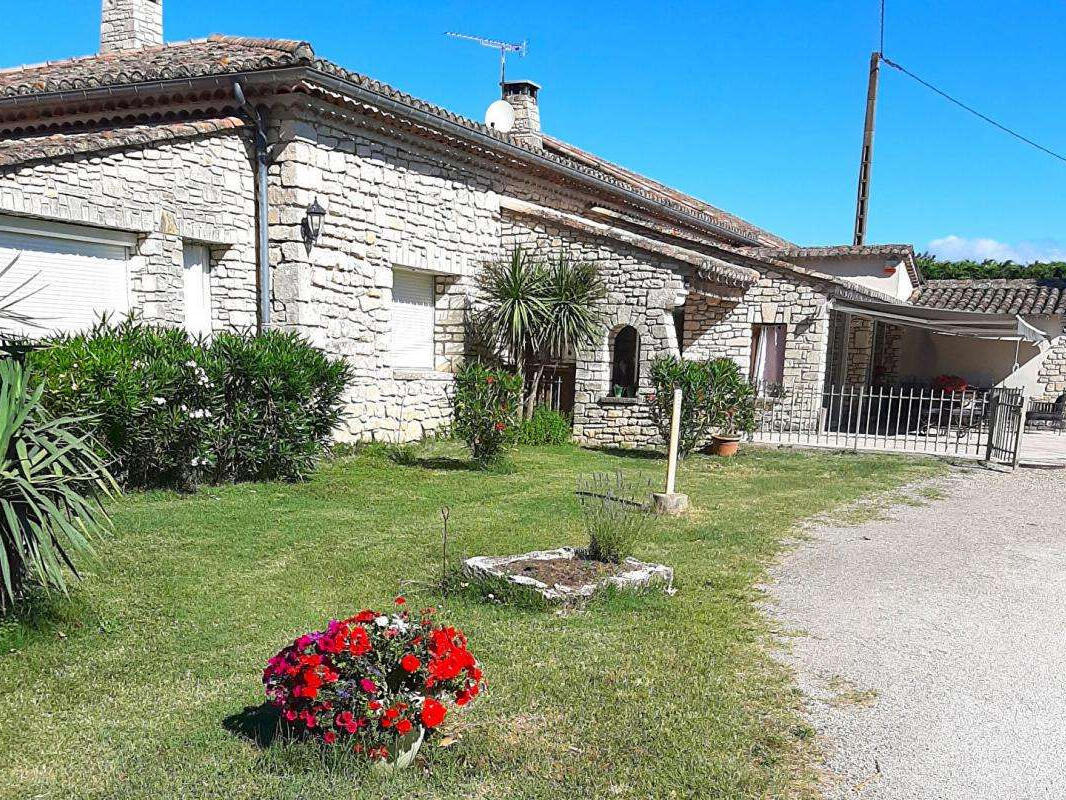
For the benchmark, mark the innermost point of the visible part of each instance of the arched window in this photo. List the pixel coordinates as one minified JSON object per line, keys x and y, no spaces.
{"x":625,"y":362}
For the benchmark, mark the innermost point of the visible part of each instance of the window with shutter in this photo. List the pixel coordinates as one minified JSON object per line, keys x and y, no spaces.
{"x":67,"y":283}
{"x":197,"y":285}
{"x":413,"y":319}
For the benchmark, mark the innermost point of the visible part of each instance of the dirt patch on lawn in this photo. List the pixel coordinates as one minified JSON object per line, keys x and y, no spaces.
{"x":562,"y":571}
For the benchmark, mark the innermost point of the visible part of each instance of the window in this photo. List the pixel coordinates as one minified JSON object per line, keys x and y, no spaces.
{"x":413,"y":296}
{"x":625,"y":361}
{"x":768,"y":354}
{"x":69,"y":275}
{"x":679,"y":328}
{"x":197,"y":285}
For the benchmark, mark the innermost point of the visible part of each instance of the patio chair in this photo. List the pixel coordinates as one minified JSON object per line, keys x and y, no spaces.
{"x":1050,"y":413}
{"x":962,"y":417}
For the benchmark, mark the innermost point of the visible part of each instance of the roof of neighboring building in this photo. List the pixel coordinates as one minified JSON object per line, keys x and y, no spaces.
{"x":231,"y":55}
{"x":995,"y":296}
{"x":45,"y":148}
{"x":902,"y":251}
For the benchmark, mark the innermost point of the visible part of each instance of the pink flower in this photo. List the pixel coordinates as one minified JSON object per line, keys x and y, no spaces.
{"x":368,"y":685}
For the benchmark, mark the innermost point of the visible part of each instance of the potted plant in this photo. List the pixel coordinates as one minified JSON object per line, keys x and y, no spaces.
{"x":374,"y":684}
{"x":732,"y":406}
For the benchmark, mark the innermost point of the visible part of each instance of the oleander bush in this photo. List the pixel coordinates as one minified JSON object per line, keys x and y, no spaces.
{"x":545,"y":427}
{"x":487,"y":406}
{"x":174,"y":412}
{"x":693,"y":378}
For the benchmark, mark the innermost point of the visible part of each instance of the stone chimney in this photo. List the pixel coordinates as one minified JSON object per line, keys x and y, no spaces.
{"x":131,"y":25}
{"x":522,"y":95}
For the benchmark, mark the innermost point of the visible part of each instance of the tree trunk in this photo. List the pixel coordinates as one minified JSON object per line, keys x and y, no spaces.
{"x":531,"y":399}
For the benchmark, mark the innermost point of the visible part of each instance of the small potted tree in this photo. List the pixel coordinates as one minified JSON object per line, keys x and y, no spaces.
{"x":732,"y":406}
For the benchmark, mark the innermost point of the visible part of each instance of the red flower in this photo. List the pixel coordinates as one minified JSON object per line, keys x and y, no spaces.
{"x":364,"y":616}
{"x":358,"y":642}
{"x":490,"y":379}
{"x":400,"y":600}
{"x":500,"y":426}
{"x":329,"y":737}
{"x":410,"y":663}
{"x":403,"y":726}
{"x":433,"y":713}
{"x":346,"y":721}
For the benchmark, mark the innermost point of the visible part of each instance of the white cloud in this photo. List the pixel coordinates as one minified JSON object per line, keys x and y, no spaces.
{"x":959,"y":248}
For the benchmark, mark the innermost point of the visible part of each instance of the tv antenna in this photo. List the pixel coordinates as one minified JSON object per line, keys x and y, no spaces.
{"x":504,"y":47}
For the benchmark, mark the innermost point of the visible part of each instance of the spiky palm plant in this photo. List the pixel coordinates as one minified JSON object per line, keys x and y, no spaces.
{"x":536,"y":312}
{"x":52,"y":481}
{"x":516,"y":312}
{"x":574,"y":294}
{"x":12,"y":295}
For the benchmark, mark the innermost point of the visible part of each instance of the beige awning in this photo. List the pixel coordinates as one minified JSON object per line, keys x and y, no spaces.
{"x":944,"y":321}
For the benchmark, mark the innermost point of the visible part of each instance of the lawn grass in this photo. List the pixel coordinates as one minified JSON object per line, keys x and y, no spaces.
{"x":124,"y":692}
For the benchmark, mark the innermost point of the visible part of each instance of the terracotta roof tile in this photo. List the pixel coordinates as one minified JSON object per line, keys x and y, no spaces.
{"x":1000,"y":296}
{"x":46,"y":148}
{"x":215,"y":55}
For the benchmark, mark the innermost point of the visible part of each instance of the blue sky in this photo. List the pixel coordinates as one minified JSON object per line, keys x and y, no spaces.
{"x":753,"y":105}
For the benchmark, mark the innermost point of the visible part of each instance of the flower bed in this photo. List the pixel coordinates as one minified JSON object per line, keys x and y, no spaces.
{"x":373,"y":682}
{"x":564,"y":576}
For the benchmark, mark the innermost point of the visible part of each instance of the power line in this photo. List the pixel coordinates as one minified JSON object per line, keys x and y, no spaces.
{"x":972,"y":110}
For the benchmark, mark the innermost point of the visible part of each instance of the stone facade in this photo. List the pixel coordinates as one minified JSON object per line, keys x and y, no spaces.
{"x":721,"y":327}
{"x":1052,"y":381}
{"x":642,"y":291}
{"x":396,"y":199}
{"x":199,"y":190}
{"x":130,"y":24}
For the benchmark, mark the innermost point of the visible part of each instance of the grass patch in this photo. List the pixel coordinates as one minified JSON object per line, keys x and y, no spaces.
{"x":629,"y":697}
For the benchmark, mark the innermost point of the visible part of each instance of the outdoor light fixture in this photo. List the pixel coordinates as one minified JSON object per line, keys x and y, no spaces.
{"x":313,"y":221}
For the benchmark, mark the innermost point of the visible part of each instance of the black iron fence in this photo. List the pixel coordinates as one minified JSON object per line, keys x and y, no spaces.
{"x":976,"y":423}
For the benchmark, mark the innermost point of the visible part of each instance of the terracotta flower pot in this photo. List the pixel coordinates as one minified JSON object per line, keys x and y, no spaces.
{"x":725,"y":446}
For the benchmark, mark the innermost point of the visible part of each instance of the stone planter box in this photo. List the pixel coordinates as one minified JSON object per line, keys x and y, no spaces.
{"x":630,"y":574}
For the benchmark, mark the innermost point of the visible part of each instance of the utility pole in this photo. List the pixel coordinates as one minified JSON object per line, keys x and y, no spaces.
{"x":862,"y":202}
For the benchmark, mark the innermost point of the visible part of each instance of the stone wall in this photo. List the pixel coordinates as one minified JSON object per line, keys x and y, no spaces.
{"x":642,"y":290}
{"x":1052,"y":380}
{"x":200,"y":189}
{"x":860,"y":351}
{"x":721,"y":327}
{"x":390,"y":202}
{"x":394,"y":200}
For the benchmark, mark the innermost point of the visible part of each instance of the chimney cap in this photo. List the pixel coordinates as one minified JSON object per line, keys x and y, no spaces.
{"x":521,"y":87}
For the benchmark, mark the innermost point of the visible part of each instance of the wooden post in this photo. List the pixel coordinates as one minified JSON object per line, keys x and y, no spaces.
{"x":675,"y":430}
{"x":669,"y":502}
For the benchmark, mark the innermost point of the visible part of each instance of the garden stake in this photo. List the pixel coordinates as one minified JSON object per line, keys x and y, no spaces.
{"x":445,"y":512}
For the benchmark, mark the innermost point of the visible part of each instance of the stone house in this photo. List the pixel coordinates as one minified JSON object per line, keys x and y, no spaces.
{"x":175,"y":180}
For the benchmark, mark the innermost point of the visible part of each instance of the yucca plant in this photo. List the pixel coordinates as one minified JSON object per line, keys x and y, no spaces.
{"x":535,"y":313}
{"x":52,"y":482}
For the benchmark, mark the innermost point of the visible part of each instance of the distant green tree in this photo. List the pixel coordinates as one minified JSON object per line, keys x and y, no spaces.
{"x":935,"y":269}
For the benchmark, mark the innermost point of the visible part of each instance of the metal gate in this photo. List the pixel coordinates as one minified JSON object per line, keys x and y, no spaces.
{"x":1006,"y":423}
{"x":982,"y":425}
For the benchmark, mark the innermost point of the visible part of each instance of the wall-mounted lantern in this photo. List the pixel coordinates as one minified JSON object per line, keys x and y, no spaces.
{"x":313,"y":221}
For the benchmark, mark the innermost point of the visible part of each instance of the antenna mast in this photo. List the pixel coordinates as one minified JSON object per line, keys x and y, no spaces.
{"x":504,"y":47}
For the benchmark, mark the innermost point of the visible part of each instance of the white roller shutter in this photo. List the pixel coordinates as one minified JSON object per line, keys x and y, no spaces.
{"x":197,"y":289}
{"x":412,"y":319}
{"x":72,"y":281}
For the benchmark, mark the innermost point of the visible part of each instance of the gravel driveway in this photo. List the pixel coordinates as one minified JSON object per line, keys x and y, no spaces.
{"x":934,"y":651}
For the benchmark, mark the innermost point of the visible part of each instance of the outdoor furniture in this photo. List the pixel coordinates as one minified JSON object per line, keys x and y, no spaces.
{"x":1049,"y":413}
{"x":961,"y":415}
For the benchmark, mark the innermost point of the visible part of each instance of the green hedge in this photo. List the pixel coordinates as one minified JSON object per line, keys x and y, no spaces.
{"x":176,"y":413}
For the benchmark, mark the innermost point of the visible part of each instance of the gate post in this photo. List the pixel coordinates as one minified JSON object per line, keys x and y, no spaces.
{"x":1022,"y":409}
{"x":993,"y":414}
